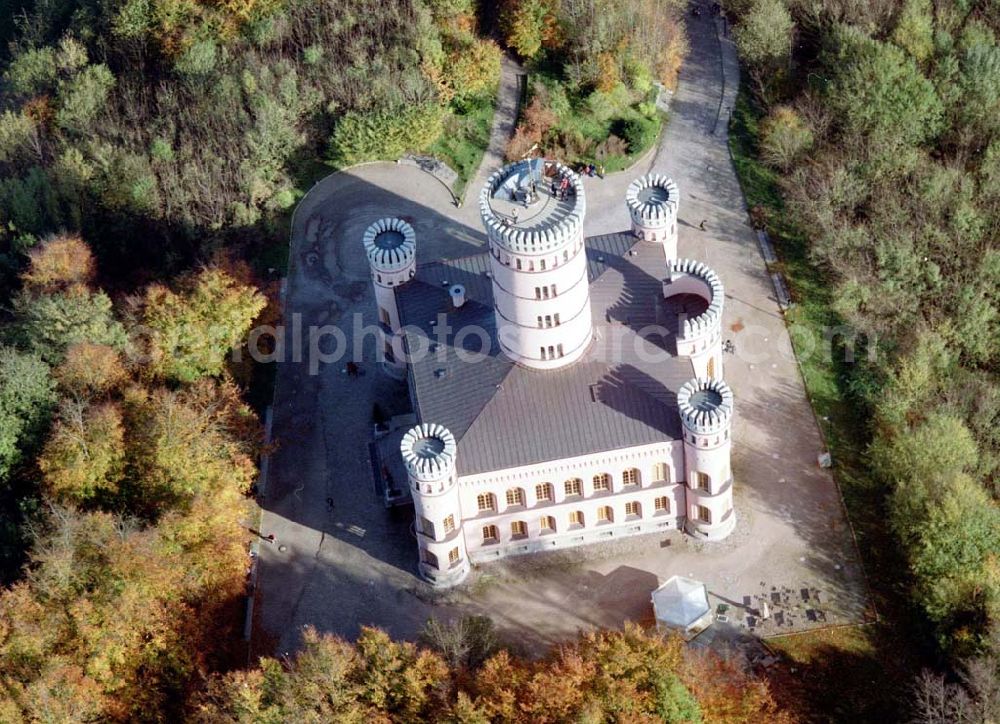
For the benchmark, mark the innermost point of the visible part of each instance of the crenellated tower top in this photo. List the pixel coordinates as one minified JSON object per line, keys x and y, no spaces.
{"x":689,"y":276}
{"x":652,"y":202}
{"x":391,"y":245}
{"x":705,"y":405}
{"x":543,"y":223}
{"x":429,"y":452}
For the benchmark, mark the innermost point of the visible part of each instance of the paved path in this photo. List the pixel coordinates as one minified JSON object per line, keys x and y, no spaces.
{"x":347,"y":562}
{"x":505,"y":116}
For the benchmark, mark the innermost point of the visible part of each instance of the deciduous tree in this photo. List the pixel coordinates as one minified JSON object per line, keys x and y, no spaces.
{"x":192,"y":329}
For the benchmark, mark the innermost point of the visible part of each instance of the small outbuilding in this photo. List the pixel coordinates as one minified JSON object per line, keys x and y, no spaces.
{"x":681,"y":604}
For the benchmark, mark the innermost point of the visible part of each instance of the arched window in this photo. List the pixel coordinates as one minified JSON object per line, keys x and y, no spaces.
{"x":605,"y":514}
{"x":661,"y":505}
{"x":518,"y":529}
{"x":573,"y":486}
{"x":633,"y":509}
{"x":515,"y":496}
{"x":702,"y":481}
{"x":547,"y":524}
{"x":490,"y":534}
{"x":631,"y":476}
{"x":602,"y":482}
{"x":543,"y":492}
{"x":486,"y":502}
{"x":576,"y":518}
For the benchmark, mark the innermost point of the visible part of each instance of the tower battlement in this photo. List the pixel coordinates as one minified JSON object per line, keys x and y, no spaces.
{"x":652,"y":202}
{"x":428,"y":452}
{"x":390,"y":245}
{"x":705,"y":405}
{"x":544,"y":225}
{"x":687,"y":276}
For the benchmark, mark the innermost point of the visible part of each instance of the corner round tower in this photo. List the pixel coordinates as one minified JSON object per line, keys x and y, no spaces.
{"x":429,"y":452}
{"x":706,"y":410}
{"x":652,"y":202}
{"x":391,"y":247}
{"x":698,"y":297}
{"x":533,"y":215}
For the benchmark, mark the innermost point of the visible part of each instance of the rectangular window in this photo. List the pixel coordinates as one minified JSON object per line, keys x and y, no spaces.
{"x":390,"y":356}
{"x":557,"y":319}
{"x":573,"y":487}
{"x":632,"y":508}
{"x":430,"y":559}
{"x":542,"y":262}
{"x":703,"y":481}
{"x":661,"y":505}
{"x":453,"y":556}
{"x":518,"y":264}
{"x":543,"y":352}
{"x":518,"y":529}
{"x":553,"y":290}
{"x":490,"y":534}
{"x":543,"y":492}
{"x":531,"y":266}
{"x":383,"y":316}
{"x":559,"y":349}
{"x":449,"y":524}
{"x":548,"y":320}
{"x":538,"y":292}
{"x":545,"y":292}
{"x":426,"y":527}
{"x":661,"y":472}
{"x":552,"y":352}
{"x":539,"y":321}
{"x":704,"y":514}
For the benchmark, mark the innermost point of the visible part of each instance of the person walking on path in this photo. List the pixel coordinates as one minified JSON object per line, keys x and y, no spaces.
{"x":702,"y":224}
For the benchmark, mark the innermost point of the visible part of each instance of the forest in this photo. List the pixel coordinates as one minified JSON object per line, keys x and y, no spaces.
{"x":868,"y":142}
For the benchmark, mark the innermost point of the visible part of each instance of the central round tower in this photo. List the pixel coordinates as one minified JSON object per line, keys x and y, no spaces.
{"x":533,"y":214}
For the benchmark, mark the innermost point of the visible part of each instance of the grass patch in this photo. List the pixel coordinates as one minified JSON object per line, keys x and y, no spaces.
{"x":464,"y":141}
{"x":858,"y":673}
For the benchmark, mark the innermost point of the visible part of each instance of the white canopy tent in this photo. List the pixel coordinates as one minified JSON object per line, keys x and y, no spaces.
{"x":682,"y":604}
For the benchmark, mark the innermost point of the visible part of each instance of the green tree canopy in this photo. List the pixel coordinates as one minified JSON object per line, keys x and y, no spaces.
{"x":192,"y":329}
{"x":879,"y":92}
{"x":50,"y":323}
{"x":27,"y":394}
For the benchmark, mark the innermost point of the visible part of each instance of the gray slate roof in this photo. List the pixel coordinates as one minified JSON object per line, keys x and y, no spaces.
{"x":506,"y":416}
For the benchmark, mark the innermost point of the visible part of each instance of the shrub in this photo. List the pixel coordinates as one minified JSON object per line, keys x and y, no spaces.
{"x":640,"y":133}
{"x":385,"y":134}
{"x":784,"y":137}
